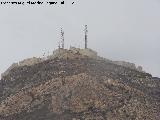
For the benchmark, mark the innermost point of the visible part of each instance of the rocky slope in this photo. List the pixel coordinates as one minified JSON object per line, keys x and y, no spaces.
{"x":78,"y":88}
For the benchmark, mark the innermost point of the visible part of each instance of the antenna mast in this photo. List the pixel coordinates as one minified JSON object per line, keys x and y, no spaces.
{"x":59,"y":45}
{"x":62,"y":38}
{"x":86,"y":36}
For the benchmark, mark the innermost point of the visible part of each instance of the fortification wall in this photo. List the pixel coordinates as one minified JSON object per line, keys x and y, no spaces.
{"x":10,"y":68}
{"x":85,"y":52}
{"x":28,"y":62}
{"x":125,"y":64}
{"x":70,"y":54}
{"x":129,"y":65}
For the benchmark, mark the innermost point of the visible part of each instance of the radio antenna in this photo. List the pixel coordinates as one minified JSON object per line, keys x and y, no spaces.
{"x":62,"y":38}
{"x":86,"y":36}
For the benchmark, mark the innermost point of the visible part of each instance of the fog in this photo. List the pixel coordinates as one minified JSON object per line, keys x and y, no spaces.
{"x":118,"y":30}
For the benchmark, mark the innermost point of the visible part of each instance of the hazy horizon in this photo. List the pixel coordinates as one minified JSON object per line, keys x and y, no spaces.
{"x":118,"y":30}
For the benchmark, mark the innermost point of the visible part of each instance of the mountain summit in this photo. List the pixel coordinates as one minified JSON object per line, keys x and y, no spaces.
{"x":77,"y":84}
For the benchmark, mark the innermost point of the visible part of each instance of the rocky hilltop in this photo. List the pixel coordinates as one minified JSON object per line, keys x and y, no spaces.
{"x":77,"y":84}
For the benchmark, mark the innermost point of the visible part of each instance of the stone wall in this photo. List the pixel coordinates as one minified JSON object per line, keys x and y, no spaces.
{"x":30,"y":61}
{"x":86,"y":52}
{"x":8,"y":70}
{"x":125,"y":64}
{"x":73,"y":53}
{"x":70,"y":54}
{"x":129,"y":65}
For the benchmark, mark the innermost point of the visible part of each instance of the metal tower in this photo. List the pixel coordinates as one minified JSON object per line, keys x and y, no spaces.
{"x":86,"y":36}
{"x":59,"y":46}
{"x":62,"y":38}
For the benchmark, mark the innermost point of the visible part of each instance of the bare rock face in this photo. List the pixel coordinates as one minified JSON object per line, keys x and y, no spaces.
{"x":78,"y":88}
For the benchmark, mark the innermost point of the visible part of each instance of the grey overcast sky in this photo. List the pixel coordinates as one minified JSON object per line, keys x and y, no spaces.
{"x":118,"y":29}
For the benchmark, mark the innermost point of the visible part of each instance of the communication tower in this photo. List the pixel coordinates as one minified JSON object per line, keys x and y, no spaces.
{"x":62,"y":38}
{"x":86,"y":36}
